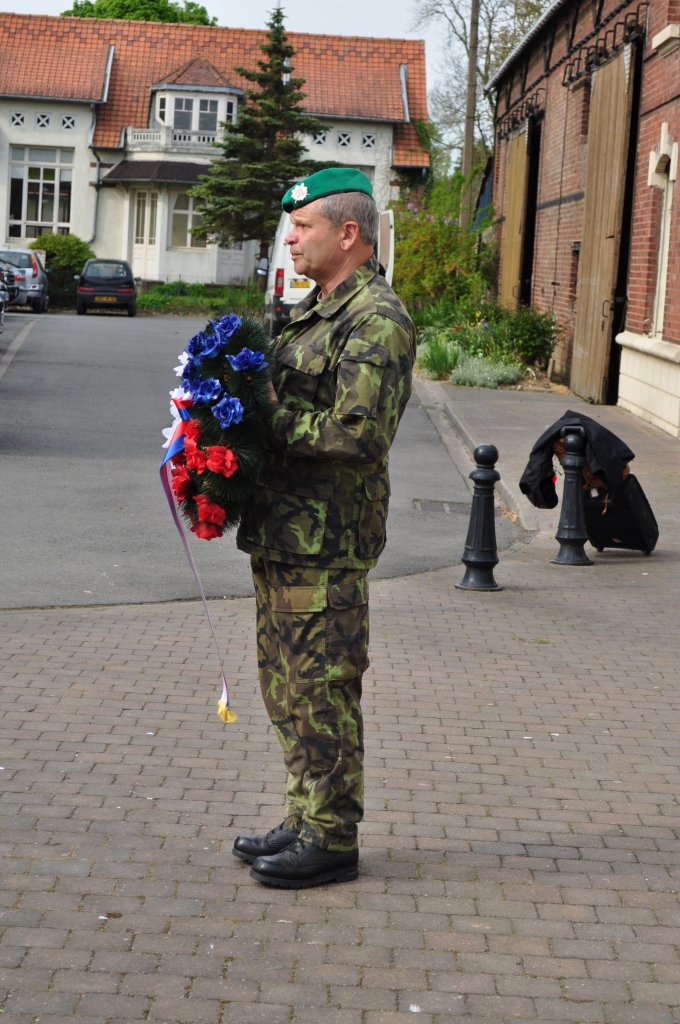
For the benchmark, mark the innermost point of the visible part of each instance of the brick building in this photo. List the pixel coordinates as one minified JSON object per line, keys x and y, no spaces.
{"x":588,"y":111}
{"x":105,"y":126}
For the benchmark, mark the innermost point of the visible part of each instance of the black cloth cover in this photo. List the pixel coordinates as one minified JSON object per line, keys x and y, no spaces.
{"x":606,"y":457}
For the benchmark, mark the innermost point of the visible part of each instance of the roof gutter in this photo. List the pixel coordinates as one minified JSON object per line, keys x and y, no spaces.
{"x":107,"y":74}
{"x":534,"y":31}
{"x":403,"y":78}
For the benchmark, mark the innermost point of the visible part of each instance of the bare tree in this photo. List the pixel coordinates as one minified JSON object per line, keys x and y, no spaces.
{"x":502,"y":23}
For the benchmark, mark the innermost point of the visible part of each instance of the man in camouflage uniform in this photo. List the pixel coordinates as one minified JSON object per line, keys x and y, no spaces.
{"x":317,"y":523}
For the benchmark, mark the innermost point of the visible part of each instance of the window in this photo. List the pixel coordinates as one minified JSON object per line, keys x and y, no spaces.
{"x":68,"y":122}
{"x":40,"y":191}
{"x":43,"y":120}
{"x":184,"y":220}
{"x":184,"y":110}
{"x":344,"y":138}
{"x":146,"y":210}
{"x":368,"y":140}
{"x":161,"y":109}
{"x":207,"y":116}
{"x":319,"y":139}
{"x":17,"y":119}
{"x":231,"y":111}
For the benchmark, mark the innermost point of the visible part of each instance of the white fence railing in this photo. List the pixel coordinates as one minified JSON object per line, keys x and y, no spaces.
{"x":165,"y":137}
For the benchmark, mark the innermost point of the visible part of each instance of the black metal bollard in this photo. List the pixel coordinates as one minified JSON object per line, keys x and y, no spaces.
{"x":480,"y":554}
{"x":571,"y":533}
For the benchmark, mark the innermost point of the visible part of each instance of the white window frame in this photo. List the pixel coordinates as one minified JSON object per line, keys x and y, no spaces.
{"x":43,"y":121}
{"x":193,"y":218}
{"x":17,"y":119}
{"x":30,"y":170}
{"x":663,"y":167}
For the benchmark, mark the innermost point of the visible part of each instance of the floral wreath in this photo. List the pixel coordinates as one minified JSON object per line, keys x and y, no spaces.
{"x":225,"y":389}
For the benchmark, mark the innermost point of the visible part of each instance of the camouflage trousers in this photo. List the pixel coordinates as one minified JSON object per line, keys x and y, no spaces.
{"x":312,"y":641}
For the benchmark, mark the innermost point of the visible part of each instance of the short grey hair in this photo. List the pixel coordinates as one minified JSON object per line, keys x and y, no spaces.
{"x":356,"y":206}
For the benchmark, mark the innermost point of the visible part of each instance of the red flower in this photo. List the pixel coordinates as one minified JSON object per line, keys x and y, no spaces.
{"x":206,"y":531}
{"x":196,"y":458}
{"x":208,"y":511}
{"x":181,"y":482}
{"x":221,"y":460}
{"x":192,"y":429}
{"x":179,"y":459}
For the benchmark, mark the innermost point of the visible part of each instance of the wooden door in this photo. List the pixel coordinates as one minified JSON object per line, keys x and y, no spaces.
{"x":513,"y":230}
{"x":605,"y":179}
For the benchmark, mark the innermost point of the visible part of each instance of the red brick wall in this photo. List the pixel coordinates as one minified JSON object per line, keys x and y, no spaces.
{"x":562,"y":166}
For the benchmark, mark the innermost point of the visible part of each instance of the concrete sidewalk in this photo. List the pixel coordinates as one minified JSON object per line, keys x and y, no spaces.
{"x":520,"y":854}
{"x":514,"y":420}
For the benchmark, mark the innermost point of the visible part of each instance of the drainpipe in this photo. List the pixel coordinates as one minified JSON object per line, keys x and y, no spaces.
{"x":90,"y":142}
{"x":98,"y":182}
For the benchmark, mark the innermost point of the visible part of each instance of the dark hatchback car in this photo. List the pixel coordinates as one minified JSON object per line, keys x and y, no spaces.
{"x":106,"y":283}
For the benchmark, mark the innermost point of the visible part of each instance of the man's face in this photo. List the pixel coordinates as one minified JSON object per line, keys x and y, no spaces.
{"x":316,"y":247}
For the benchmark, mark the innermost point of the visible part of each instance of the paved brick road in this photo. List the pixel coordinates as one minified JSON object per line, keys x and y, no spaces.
{"x":521,"y":854}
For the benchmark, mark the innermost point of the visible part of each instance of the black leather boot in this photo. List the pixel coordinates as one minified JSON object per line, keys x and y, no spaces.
{"x":276,"y":840}
{"x":302,"y":865}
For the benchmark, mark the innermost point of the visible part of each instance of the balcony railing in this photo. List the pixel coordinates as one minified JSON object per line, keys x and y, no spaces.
{"x":164,"y":137}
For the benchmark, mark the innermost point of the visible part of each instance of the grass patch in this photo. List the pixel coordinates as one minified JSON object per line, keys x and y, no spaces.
{"x":180,"y":298}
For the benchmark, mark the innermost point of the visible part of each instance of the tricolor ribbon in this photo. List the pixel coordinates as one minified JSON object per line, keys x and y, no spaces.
{"x":175,"y":445}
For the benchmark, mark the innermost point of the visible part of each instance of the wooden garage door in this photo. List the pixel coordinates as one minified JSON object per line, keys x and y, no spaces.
{"x":606,"y":156}
{"x":513,"y":232}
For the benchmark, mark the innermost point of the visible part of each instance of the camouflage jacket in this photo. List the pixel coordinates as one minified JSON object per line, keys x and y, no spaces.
{"x":343,"y":378}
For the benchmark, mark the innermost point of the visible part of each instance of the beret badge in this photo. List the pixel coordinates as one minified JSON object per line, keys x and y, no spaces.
{"x":299,"y":192}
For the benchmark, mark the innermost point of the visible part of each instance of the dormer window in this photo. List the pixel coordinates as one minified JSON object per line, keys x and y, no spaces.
{"x":207,"y":116}
{"x":184,"y":112}
{"x":231,"y":111}
{"x":162,"y":102}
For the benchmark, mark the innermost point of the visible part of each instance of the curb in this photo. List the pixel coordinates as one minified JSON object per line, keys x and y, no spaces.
{"x":9,"y":354}
{"x":515,"y":502}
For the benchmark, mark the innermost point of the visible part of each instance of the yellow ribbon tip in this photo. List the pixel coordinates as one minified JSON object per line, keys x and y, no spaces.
{"x":225,"y":713}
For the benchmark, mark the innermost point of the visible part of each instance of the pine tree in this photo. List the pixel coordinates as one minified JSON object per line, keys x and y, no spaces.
{"x":262,"y":154}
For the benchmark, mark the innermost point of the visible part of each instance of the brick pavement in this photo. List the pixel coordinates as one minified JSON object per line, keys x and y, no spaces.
{"x":520,"y":856}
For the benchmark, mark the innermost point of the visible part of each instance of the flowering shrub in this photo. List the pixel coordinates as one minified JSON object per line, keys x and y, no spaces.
{"x":434,"y":258}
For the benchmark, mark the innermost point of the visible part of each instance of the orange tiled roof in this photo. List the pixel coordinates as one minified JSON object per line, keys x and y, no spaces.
{"x":198,"y":71}
{"x":65,"y":58}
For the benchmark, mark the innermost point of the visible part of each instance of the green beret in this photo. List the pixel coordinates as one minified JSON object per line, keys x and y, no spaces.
{"x":325,"y":183}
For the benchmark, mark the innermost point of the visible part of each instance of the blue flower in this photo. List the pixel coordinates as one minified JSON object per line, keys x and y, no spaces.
{"x":191,"y":374}
{"x":227,"y":326}
{"x":247,"y":360}
{"x":212,"y":346}
{"x":195,"y":346}
{"x":228,"y":411}
{"x":206,"y":391}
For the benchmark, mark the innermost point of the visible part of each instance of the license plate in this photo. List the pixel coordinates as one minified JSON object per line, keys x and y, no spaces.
{"x":105,"y":298}
{"x":300,"y":284}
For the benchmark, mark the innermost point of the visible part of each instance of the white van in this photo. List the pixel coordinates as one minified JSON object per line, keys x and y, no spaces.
{"x":285,"y":288}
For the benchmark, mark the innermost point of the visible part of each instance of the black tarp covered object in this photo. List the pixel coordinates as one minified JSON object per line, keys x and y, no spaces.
{"x":606,"y":457}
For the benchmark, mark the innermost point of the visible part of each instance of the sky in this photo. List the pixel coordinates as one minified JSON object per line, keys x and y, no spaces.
{"x":351,"y":17}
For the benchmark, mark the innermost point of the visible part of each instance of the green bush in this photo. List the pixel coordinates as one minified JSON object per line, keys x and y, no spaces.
{"x":435,"y":260}
{"x":480,"y":372}
{"x":178,"y":297}
{"x":65,"y":255}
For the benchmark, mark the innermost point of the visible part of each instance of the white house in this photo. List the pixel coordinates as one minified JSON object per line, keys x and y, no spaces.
{"x":106,"y":125}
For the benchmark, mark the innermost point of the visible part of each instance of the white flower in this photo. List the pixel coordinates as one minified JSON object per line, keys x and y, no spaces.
{"x":167,"y":433}
{"x":183,"y":360}
{"x":299,"y":192}
{"x":177,"y":393}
